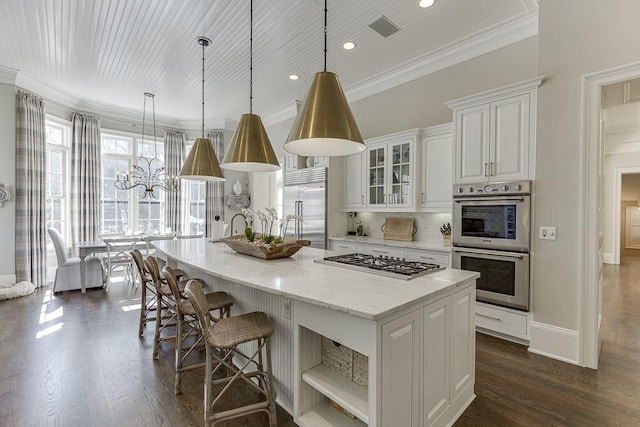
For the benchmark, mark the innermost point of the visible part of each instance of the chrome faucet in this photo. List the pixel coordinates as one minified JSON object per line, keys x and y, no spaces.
{"x":233,"y":230}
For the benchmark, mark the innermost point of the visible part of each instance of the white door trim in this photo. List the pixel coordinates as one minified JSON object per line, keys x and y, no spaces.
{"x":617,"y":211}
{"x":591,"y":160}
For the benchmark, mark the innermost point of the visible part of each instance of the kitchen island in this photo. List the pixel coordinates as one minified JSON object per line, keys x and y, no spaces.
{"x":416,"y":337}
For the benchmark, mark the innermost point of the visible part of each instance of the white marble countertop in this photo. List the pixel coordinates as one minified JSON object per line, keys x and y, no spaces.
{"x":394,"y":243}
{"x":362,"y":294}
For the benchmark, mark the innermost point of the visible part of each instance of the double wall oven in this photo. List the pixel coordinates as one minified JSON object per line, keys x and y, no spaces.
{"x":491,"y":235}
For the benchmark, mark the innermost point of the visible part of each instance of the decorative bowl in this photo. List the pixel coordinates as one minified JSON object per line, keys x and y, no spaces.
{"x":260,"y":249}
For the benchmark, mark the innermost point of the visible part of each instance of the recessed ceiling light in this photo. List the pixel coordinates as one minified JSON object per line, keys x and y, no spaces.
{"x":294,"y":77}
{"x":426,"y":3}
{"x":349,"y":45}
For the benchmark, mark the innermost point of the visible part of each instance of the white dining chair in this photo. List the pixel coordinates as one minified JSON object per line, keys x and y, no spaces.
{"x":119,"y":256}
{"x":68,"y":272}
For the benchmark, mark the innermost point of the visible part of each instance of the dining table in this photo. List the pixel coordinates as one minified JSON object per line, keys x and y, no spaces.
{"x":143,"y":242}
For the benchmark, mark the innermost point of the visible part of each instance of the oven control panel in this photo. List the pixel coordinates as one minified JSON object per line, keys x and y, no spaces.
{"x":492,"y":189}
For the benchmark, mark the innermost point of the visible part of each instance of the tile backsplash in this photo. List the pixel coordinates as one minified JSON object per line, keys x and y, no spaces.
{"x":428,"y":224}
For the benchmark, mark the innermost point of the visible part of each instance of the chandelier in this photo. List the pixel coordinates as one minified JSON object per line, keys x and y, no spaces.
{"x":148,"y":172}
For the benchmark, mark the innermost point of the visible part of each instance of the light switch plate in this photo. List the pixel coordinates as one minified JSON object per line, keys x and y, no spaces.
{"x":547,"y":233}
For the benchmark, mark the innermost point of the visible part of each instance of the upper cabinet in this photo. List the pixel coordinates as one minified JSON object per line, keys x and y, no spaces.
{"x":437,"y":168}
{"x":390,"y":171}
{"x":354,"y":198}
{"x":494,"y":134}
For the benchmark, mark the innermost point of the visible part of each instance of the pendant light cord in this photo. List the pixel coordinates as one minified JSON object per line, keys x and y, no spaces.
{"x":325,"y":35}
{"x":251,"y":62}
{"x":144,"y":113}
{"x":203,"y":43}
{"x":153,"y":111}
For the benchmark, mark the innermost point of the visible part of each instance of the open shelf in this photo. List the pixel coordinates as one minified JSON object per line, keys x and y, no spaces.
{"x":346,"y":393}
{"x":322,"y":415}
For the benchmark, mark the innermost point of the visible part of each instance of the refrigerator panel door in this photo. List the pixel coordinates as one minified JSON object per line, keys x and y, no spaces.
{"x":313,"y":211}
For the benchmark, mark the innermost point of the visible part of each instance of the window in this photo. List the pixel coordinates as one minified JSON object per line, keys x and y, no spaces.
{"x":195,"y":199}
{"x":57,"y":176}
{"x":129,"y":211}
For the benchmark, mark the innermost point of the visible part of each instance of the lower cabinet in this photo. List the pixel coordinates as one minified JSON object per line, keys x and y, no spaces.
{"x":420,"y":365}
{"x":423,"y":255}
{"x":400,"y":371}
{"x":428,"y":369}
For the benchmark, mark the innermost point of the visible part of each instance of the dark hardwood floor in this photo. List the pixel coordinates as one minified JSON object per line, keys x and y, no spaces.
{"x":76,"y":360}
{"x":517,"y":388}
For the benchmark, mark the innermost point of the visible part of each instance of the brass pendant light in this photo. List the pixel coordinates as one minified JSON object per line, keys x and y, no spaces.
{"x":201,"y":163}
{"x":250,"y":149}
{"x":325,"y":125}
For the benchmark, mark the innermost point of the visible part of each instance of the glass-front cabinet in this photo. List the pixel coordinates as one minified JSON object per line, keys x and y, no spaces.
{"x":391,"y":180}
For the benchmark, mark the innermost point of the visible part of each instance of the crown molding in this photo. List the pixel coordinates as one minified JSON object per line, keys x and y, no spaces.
{"x":281,"y":114}
{"x":474,"y":46}
{"x":8,"y":75}
{"x":469,"y":48}
{"x":108,"y":111}
{"x":497,"y":93}
{"x":626,"y":147}
{"x":46,"y":91}
{"x":196,"y":124}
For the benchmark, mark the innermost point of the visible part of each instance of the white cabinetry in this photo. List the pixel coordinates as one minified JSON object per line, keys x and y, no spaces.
{"x":494,"y":134}
{"x":503,"y":322}
{"x":437,"y":359}
{"x":443,"y":331}
{"x":343,"y":247}
{"x":401,"y":371}
{"x":354,"y":198}
{"x":437,"y":168}
{"x":431,"y":257}
{"x":422,"y":255}
{"x":390,"y":172}
{"x":379,"y":250}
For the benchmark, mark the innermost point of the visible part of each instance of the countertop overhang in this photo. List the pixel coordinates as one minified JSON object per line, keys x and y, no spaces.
{"x":361,"y":294}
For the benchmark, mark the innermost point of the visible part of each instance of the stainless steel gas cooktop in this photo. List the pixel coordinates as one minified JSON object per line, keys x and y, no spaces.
{"x":382,"y":265}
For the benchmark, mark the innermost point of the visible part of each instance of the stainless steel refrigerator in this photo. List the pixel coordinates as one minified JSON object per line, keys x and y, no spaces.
{"x":305,"y":194}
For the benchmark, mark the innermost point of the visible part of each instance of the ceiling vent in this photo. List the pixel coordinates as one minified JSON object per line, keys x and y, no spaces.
{"x":384,"y":27}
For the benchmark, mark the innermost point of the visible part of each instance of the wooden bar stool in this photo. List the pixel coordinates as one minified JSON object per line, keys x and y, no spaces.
{"x":226,"y":335}
{"x":166,"y":312}
{"x":218,"y":306}
{"x":147,"y":305}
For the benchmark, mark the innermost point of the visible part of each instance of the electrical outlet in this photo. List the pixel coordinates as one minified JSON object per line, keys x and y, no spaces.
{"x":547,"y":233}
{"x":286,"y":309}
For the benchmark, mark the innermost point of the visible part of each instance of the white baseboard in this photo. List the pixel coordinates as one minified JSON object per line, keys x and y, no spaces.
{"x":8,"y":279}
{"x":607,"y":257}
{"x":554,"y":342}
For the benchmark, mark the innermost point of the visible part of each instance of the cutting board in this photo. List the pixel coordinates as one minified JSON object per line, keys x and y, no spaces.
{"x":399,"y":229}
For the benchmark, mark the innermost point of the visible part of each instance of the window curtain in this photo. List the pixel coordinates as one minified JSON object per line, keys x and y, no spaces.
{"x":31,"y":240}
{"x":174,"y":142}
{"x":85,"y":178}
{"x":214,"y":203}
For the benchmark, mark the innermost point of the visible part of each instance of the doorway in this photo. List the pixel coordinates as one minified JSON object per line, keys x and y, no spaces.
{"x":593,"y":192}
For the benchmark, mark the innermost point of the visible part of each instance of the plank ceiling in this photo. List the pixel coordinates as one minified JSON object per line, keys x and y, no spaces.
{"x":108,"y":52}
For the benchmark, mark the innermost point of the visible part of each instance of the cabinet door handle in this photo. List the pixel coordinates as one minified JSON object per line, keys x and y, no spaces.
{"x":492,"y":170}
{"x":423,"y":197}
{"x":426,"y":257}
{"x":486,"y":165}
{"x":343,"y":247}
{"x":379,"y":252}
{"x":489,"y":317}
{"x":362,"y":197}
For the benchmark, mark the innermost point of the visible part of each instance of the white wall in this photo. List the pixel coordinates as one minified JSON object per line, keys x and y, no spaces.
{"x":575,"y":37}
{"x":8,"y":176}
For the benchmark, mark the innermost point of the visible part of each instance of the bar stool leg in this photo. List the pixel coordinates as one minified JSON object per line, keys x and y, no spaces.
{"x":273,"y":419}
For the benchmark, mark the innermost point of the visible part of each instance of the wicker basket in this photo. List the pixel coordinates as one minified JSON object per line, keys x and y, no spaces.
{"x":259,"y":249}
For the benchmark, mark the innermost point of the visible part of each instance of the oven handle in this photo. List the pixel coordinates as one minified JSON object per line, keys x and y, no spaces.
{"x":488,"y":252}
{"x":489,"y":198}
